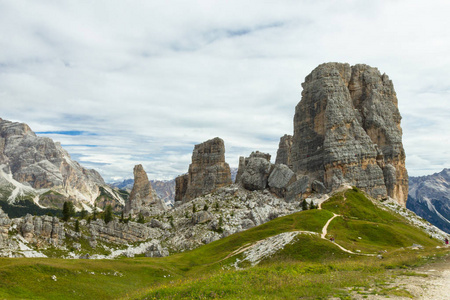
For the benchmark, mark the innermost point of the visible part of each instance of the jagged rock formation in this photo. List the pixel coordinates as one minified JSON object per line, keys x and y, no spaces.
{"x":46,"y":228}
{"x":429,"y":197}
{"x":207,"y":172}
{"x":284,"y":151}
{"x":347,"y":131}
{"x":31,"y":165}
{"x":143,"y":199}
{"x":5,"y":223}
{"x":254,"y":171}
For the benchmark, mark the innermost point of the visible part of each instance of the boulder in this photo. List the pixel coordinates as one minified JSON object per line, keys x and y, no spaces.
{"x":255,"y":171}
{"x":201,"y":217}
{"x":280,"y":178}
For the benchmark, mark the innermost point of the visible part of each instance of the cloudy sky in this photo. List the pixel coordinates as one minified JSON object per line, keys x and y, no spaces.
{"x":125,"y":82}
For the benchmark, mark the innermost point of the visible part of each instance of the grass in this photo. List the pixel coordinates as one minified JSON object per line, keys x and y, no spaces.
{"x":309,"y":267}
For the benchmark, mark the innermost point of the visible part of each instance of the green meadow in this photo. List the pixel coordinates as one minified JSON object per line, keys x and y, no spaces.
{"x":309,"y":267}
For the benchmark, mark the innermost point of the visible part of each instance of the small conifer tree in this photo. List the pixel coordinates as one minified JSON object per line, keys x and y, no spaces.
{"x":304,"y":205}
{"x":108,"y":215}
{"x":68,"y":210}
{"x":77,"y":225}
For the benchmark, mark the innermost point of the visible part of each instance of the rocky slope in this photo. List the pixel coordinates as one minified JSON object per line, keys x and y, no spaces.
{"x":429,"y":197}
{"x":38,"y":169}
{"x":347,"y":131}
{"x":207,"y":172}
{"x":143,"y":199}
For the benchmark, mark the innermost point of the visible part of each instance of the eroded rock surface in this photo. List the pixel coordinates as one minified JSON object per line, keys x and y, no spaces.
{"x":284,"y":151}
{"x":143,"y":199}
{"x":207,"y":172}
{"x":31,"y":165}
{"x":347,"y":131}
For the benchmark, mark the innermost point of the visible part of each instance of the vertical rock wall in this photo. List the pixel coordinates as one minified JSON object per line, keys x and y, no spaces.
{"x":347,"y":131}
{"x":207,"y":172}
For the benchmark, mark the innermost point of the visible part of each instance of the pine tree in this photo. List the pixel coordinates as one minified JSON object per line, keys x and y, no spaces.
{"x":83,"y":213}
{"x":304,"y":205}
{"x":77,"y":225}
{"x":108,"y":215}
{"x":121,"y":217}
{"x":94,"y":216}
{"x":68,"y":210}
{"x":141,"y":219}
{"x":194,"y":208}
{"x":205,"y":208}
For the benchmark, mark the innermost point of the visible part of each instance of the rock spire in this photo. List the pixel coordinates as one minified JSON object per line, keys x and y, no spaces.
{"x":207,"y":172}
{"x":347,"y":131}
{"x":143,"y":199}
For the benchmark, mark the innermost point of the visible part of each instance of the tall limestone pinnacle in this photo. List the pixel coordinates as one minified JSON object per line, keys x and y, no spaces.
{"x":207,"y":172}
{"x":347,"y":131}
{"x":143,"y":199}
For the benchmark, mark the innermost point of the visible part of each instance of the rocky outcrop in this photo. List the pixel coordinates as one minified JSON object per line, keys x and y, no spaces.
{"x":284,"y":151}
{"x":254,"y":171}
{"x":207,"y":172}
{"x":143,"y":199}
{"x":5,"y":223}
{"x":429,"y":197}
{"x":31,"y":165}
{"x":122,"y":233}
{"x":347,"y":131}
{"x":44,"y":228}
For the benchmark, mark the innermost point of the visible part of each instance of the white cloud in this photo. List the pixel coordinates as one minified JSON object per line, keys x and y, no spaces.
{"x":152,"y":79}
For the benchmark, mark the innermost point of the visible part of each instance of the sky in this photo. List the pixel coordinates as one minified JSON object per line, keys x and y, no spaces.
{"x":121,"y":83}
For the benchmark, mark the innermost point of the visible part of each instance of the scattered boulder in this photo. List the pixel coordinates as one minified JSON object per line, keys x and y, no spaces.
{"x":318,"y":187}
{"x":296,"y":190}
{"x":201,"y":217}
{"x":280,"y":178}
{"x":256,"y":171}
{"x":156,"y":250}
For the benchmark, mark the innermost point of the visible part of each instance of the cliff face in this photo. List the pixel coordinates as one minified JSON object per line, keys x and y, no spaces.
{"x":29,"y":163}
{"x":207,"y":172}
{"x":284,"y":151}
{"x":143,"y":199}
{"x":347,"y":131}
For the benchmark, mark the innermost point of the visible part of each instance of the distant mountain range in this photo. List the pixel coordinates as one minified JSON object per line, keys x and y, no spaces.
{"x":38,"y":174}
{"x":429,"y":197}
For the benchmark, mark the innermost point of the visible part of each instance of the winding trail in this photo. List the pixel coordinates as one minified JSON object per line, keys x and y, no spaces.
{"x":322,"y":235}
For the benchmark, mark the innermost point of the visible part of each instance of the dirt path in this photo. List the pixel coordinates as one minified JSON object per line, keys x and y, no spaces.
{"x":434,"y":285}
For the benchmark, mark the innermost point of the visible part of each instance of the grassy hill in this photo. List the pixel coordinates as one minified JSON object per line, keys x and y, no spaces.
{"x":308,"y":267}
